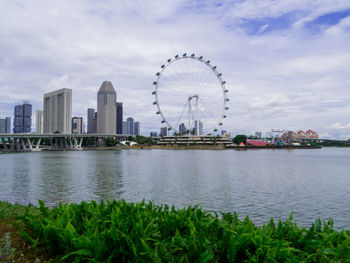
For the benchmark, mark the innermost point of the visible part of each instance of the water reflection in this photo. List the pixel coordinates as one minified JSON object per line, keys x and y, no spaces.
{"x":264,"y":183}
{"x":105,"y":178}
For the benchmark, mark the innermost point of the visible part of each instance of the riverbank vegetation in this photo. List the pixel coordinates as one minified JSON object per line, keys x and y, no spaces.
{"x":118,"y":231}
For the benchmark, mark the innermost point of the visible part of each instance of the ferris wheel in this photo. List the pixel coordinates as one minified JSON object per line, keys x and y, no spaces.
{"x":190,"y":96}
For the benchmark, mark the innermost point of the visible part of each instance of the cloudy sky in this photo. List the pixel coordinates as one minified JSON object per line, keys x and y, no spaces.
{"x":286,"y":63}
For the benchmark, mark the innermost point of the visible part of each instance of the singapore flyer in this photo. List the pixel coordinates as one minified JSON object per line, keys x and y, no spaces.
{"x":190,"y":96}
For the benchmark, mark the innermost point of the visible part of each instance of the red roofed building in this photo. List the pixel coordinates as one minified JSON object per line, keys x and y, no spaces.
{"x":256,"y":142}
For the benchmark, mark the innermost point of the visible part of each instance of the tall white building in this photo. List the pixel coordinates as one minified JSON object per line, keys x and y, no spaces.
{"x":39,"y":121}
{"x":57,"y":114}
{"x":106,"y":109}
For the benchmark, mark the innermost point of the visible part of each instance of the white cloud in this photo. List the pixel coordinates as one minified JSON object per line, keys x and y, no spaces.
{"x":288,"y":78}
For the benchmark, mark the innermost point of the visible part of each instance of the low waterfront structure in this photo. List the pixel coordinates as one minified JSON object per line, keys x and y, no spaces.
{"x":300,"y":136}
{"x":194,"y":140}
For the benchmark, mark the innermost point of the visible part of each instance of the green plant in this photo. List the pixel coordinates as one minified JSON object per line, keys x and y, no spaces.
{"x":143,"y":232}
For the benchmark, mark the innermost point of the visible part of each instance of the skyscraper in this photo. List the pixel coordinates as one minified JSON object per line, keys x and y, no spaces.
{"x":5,"y":125}
{"x":125,"y":127}
{"x":200,"y":128}
{"x":92,"y":121}
{"x":23,"y":118}
{"x":163,"y":131}
{"x":182,"y":128}
{"x":137,"y":128}
{"x":130,"y":125}
{"x":106,"y":109}
{"x":77,"y":125}
{"x":119,"y":117}
{"x":39,"y":121}
{"x":58,"y":111}
{"x":153,"y":134}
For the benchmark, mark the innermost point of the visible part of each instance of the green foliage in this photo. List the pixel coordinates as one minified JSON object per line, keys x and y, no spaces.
{"x":117,"y":231}
{"x":111,"y":142}
{"x":240,"y":138}
{"x":6,"y":249}
{"x":143,"y":140}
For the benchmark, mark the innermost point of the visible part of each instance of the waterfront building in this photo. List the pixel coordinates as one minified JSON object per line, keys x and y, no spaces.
{"x":77,"y":125}
{"x":300,"y":136}
{"x":153,"y":134}
{"x":163,"y":131}
{"x":194,"y":140}
{"x":23,"y":118}
{"x":200,"y":128}
{"x":125,"y":127}
{"x":57,"y":114}
{"x":182,"y":128}
{"x":130,"y":125}
{"x":106,"y":109}
{"x":119,"y":117}
{"x":39,"y":121}
{"x":92,"y":121}
{"x":137,"y":128}
{"x":5,"y":125}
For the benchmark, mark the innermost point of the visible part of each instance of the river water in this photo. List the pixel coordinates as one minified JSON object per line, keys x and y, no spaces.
{"x":259,"y":183}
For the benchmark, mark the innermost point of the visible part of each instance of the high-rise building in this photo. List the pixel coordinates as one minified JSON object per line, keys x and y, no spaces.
{"x":119,"y":117}
{"x":39,"y":121}
{"x":23,"y":118}
{"x":92,"y":121}
{"x":182,"y":128}
{"x":125,"y":127}
{"x":57,"y":114}
{"x":130,"y":125}
{"x":200,"y":128}
{"x":163,"y":131}
{"x":137,"y":128}
{"x":77,"y":125}
{"x":5,"y":125}
{"x":106,"y":109}
{"x":223,"y":133}
{"x":153,"y":134}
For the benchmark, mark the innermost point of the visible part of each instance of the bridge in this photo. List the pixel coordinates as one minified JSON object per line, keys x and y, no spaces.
{"x":18,"y":142}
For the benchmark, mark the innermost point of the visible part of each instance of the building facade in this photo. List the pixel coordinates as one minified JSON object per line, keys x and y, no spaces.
{"x":77,"y":125}
{"x":182,"y":128}
{"x":106,"y":109}
{"x":57,"y":114}
{"x":92,"y":121}
{"x":119,"y":118}
{"x":5,"y":125}
{"x":39,"y":121}
{"x":125,"y":127}
{"x":200,"y":128}
{"x":130,"y":125}
{"x":153,"y":134}
{"x":23,"y":118}
{"x":163,"y":131}
{"x":137,"y":128}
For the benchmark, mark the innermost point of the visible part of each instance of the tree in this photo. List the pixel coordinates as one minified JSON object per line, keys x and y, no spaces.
{"x":240,"y":138}
{"x":143,"y":140}
{"x":111,"y":142}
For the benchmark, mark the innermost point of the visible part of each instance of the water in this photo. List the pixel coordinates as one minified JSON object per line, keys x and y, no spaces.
{"x":259,"y":183}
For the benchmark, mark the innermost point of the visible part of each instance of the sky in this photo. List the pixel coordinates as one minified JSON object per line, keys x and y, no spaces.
{"x":286,"y":63}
